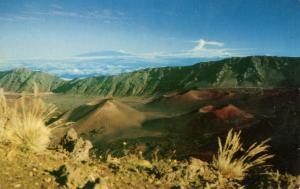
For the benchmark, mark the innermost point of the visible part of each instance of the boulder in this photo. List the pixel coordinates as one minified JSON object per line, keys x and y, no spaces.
{"x":72,"y":176}
{"x":69,"y":140}
{"x":82,"y":149}
{"x":77,"y":146}
{"x":95,"y":184}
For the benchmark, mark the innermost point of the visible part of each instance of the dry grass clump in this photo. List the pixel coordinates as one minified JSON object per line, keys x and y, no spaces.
{"x":230,"y":164}
{"x":3,"y":113}
{"x":23,"y":124}
{"x":228,"y":169}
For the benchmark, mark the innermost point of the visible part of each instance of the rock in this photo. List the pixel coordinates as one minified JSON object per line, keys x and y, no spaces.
{"x":18,"y":186}
{"x":73,"y":176}
{"x":78,"y":147}
{"x":48,"y":179}
{"x":69,"y":140}
{"x":68,"y":175}
{"x":81,"y":149}
{"x":195,"y":167}
{"x":198,"y":167}
{"x":61,"y":175}
{"x":102,"y":185}
{"x":71,"y":135}
{"x":95,"y":184}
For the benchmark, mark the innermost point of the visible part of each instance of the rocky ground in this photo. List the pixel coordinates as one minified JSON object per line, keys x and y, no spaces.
{"x":68,"y":166}
{"x":72,"y":162}
{"x":71,"y":165}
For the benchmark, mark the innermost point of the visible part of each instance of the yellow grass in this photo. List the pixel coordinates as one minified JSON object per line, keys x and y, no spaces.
{"x":231,"y":165}
{"x":3,"y":113}
{"x":23,"y":124}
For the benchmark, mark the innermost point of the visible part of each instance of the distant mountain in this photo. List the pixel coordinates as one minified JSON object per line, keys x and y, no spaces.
{"x":22,"y":79}
{"x":254,"y":71}
{"x":105,"y":54}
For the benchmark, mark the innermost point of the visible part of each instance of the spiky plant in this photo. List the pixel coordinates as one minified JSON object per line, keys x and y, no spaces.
{"x":26,"y":126}
{"x":3,"y":114}
{"x":230,"y":164}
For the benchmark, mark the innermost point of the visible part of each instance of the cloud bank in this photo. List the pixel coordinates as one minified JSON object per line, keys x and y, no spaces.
{"x":113,"y":62}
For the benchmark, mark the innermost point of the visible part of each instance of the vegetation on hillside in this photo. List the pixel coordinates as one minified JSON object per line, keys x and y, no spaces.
{"x":254,"y":71}
{"x":233,"y":72}
{"x":21,"y":79}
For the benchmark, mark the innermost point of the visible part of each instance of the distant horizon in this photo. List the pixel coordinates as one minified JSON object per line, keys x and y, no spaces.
{"x":80,"y":38}
{"x":70,"y":77}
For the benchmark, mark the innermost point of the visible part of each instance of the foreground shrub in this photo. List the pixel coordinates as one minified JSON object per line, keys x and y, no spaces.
{"x":23,"y":124}
{"x":232,"y":162}
{"x":3,"y":114}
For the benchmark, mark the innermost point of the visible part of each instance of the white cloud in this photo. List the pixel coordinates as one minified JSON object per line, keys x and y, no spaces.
{"x":14,"y":18}
{"x":209,"y":49}
{"x":202,"y":49}
{"x":105,"y":15}
{"x":201,"y":44}
{"x":118,"y":61}
{"x":71,"y":68}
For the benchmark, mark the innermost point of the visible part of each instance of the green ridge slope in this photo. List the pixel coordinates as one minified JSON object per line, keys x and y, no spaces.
{"x":255,"y":71}
{"x":22,"y":79}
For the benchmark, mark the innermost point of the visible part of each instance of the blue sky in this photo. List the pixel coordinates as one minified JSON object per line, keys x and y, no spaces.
{"x":144,"y":33}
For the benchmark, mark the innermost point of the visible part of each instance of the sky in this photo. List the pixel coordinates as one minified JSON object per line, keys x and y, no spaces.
{"x":81,"y":38}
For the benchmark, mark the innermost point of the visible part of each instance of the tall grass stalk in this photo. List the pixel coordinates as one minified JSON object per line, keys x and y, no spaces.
{"x":232,"y":162}
{"x":3,"y":114}
{"x":25,"y":126}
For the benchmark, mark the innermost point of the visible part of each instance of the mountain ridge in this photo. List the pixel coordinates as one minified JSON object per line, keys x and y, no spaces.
{"x":23,"y":79}
{"x":251,"y":71}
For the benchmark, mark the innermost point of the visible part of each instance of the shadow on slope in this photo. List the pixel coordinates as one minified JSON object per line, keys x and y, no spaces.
{"x":269,"y":113}
{"x":105,"y":120}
